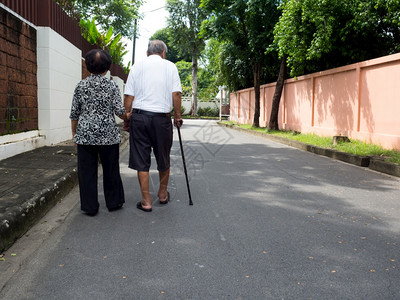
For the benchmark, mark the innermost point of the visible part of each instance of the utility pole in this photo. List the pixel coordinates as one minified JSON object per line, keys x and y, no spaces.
{"x":134,"y":41}
{"x":135,"y":33}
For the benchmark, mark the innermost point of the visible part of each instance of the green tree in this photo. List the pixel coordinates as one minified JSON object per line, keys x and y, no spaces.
{"x":173,"y":54}
{"x":315,"y":35}
{"x":321,"y":34}
{"x":213,"y":61}
{"x":207,"y":87}
{"x":228,"y":64}
{"x":119,"y":14}
{"x":185,"y":74}
{"x":185,"y":19}
{"x":246,"y":28}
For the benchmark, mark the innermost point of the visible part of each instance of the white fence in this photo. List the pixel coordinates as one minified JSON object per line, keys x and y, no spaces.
{"x":187,"y":101}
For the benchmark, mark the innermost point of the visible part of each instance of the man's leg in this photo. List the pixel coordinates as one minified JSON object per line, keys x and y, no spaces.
{"x":162,"y":136}
{"x":144,"y":187}
{"x":162,"y":191}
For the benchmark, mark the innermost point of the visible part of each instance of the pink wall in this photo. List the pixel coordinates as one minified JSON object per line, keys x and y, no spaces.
{"x":361,"y":101}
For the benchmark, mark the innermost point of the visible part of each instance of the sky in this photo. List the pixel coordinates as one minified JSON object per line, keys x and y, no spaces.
{"x":154,"y":18}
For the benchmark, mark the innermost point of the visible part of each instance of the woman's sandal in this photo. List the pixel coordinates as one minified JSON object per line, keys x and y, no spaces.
{"x":119,"y":206}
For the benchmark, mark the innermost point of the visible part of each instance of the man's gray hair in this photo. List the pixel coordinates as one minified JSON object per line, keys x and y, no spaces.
{"x":156,"y":47}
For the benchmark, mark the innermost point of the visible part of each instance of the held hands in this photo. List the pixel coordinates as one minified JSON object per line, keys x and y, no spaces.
{"x":126,"y":117}
{"x":126,"y":126}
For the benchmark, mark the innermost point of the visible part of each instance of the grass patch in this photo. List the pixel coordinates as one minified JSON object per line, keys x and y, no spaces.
{"x":202,"y":117}
{"x":353,"y":147}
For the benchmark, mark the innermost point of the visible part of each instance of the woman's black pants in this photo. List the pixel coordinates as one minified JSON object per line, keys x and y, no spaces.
{"x":88,"y":162}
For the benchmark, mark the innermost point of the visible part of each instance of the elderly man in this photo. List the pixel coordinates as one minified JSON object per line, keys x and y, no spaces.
{"x":153,"y":88}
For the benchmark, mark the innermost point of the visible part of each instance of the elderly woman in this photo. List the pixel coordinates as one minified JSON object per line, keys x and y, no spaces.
{"x":95,"y":102}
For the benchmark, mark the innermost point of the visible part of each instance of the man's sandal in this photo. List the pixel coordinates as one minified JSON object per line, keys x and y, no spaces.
{"x":165,"y":201}
{"x":140,"y":206}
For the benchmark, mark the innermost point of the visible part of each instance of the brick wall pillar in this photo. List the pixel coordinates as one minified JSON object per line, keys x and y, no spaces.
{"x":18,"y":70}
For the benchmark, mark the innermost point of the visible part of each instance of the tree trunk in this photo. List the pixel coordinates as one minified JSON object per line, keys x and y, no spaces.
{"x":273,"y":120}
{"x":256,"y":73}
{"x":194,"y":86}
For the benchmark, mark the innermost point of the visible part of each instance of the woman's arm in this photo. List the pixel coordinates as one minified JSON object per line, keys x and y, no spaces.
{"x":74,"y":125}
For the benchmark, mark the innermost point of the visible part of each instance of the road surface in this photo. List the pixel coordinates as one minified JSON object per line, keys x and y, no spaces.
{"x":268,"y":222}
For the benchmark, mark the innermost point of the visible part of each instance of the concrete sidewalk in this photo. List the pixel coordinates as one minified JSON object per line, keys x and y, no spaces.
{"x":31,"y":183}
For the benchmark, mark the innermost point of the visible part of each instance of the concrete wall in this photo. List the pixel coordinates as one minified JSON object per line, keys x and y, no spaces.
{"x":59,"y":70}
{"x":121,"y":84}
{"x":360,"y":101}
{"x":187,"y":102}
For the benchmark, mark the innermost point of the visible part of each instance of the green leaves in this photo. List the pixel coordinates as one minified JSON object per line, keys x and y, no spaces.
{"x":245,"y":29}
{"x":185,"y":19}
{"x":206,"y":82}
{"x":89,"y":31}
{"x":322,"y":34}
{"x":174,"y":54}
{"x":106,"y":40}
{"x":119,"y":14}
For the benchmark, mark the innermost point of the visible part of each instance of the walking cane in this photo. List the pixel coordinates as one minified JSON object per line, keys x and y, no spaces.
{"x":184,"y":162}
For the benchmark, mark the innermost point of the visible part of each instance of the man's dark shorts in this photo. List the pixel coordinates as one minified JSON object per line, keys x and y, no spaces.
{"x":146,"y":133}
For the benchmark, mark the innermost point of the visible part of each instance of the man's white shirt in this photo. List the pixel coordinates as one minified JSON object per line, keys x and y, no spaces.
{"x":152,"y":82}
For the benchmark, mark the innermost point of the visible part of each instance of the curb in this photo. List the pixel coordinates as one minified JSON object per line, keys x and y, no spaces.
{"x":20,"y":219}
{"x":384,"y":167}
{"x":362,"y":161}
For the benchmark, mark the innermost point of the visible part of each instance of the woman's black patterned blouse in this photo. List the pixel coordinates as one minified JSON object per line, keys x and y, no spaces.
{"x":96,"y":100}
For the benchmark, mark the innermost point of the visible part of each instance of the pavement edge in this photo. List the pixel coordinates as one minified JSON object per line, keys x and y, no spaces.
{"x":20,"y":219}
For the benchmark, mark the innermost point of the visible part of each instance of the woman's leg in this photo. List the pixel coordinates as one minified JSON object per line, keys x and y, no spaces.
{"x":87,"y":175}
{"x":112,"y":183}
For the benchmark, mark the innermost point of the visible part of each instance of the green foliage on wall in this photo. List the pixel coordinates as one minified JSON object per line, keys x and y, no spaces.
{"x":106,"y":40}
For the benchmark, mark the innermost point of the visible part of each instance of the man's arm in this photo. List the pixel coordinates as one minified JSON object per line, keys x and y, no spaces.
{"x":128,"y":99}
{"x":177,"y":99}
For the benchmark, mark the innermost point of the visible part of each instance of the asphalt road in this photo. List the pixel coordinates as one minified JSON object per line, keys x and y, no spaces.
{"x":268,"y":222}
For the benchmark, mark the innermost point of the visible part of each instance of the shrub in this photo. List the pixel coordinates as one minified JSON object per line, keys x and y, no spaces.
{"x":208,"y":112}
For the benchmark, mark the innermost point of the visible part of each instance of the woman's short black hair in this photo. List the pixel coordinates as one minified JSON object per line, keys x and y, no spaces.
{"x":98,"y":61}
